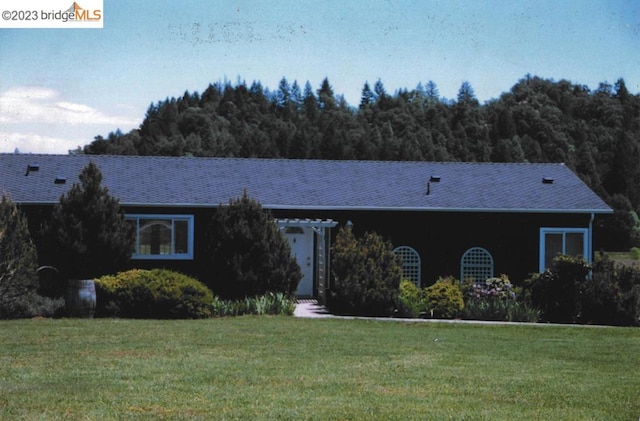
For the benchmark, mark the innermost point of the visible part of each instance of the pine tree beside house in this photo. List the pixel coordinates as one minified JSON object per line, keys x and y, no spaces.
{"x":87,"y":235}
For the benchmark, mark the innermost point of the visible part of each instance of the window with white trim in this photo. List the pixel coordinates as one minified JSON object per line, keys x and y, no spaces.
{"x":163,"y":236}
{"x":410,"y":263}
{"x":569,"y":241}
{"x":476,"y":264}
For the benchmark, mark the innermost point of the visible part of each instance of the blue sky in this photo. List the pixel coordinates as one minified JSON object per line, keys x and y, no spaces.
{"x":59,"y":88}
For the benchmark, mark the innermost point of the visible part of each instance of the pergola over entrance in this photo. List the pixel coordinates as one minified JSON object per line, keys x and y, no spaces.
{"x":310,"y":242}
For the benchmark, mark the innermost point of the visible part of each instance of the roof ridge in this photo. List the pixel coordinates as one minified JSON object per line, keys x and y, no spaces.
{"x":280,"y":159}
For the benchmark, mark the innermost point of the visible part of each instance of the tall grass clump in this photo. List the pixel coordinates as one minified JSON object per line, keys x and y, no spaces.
{"x":268,"y":304}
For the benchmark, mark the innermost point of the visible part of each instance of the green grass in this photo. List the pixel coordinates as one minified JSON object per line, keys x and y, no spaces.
{"x":268,"y":368}
{"x":627,"y":258}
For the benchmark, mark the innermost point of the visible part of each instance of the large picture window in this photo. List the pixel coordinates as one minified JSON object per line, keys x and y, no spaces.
{"x":163,"y":236}
{"x":569,"y":241}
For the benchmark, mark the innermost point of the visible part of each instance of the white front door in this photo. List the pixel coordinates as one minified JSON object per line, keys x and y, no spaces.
{"x":301,"y":242}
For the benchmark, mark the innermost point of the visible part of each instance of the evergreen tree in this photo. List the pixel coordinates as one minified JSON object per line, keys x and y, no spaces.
{"x":18,"y":268}
{"x":431,"y":92}
{"x":326,"y":98}
{"x":310,"y":101}
{"x":379,"y":90}
{"x":283,"y":94}
{"x":466,"y":95}
{"x":249,"y":256}
{"x":88,"y":236}
{"x":366,"y":275}
{"x":296,"y":95}
{"x":621,"y":91}
{"x":367,"y":96}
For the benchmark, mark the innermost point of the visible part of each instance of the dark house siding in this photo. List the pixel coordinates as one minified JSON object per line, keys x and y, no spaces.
{"x":440,"y":238}
{"x":39,"y":214}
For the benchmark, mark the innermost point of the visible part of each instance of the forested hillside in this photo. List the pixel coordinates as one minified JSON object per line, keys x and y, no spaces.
{"x":595,"y":132}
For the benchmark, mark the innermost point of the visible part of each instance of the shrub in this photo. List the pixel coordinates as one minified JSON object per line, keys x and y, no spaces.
{"x":18,"y":268}
{"x":88,"y":235}
{"x":249,"y":256}
{"x":366,"y":275}
{"x":612,"y":296}
{"x":557,"y":291}
{"x":268,"y":304}
{"x":156,"y":293}
{"x":445,"y":298}
{"x":495,"y":299}
{"x":411,"y":300}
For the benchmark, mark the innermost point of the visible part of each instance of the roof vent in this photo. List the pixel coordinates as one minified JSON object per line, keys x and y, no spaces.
{"x":435,"y":178}
{"x":32,"y":168}
{"x":547,"y":180}
{"x":60,"y":180}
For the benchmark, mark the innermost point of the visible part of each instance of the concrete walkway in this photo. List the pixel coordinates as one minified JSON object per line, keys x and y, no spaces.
{"x":311,"y":309}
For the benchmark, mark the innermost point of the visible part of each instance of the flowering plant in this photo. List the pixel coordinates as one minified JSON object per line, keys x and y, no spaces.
{"x":495,"y":299}
{"x":492,"y":288}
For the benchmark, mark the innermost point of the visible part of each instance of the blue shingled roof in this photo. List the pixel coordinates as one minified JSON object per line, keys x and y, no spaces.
{"x":308,"y":184}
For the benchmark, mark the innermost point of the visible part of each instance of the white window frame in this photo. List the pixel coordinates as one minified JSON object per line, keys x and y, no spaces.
{"x":564,"y":231}
{"x":464,"y":267}
{"x":136,"y":218}
{"x":415,"y":266}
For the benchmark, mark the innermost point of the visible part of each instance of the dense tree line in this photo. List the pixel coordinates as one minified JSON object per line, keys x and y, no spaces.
{"x":595,"y":132}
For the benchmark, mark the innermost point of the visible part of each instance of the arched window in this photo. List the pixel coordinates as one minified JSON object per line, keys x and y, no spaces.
{"x":476,"y":264}
{"x":410,"y":263}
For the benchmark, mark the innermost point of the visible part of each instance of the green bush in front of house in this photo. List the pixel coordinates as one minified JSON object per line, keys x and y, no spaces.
{"x":557,"y":291}
{"x":153,"y":294}
{"x":444,"y":298}
{"x":412,"y":301}
{"x":573,"y":291}
{"x":248,"y":255}
{"x":366,"y":275}
{"x":612,"y":295}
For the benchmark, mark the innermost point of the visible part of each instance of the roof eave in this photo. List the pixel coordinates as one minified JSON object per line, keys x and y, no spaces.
{"x":356,"y":208}
{"x":438,"y":209}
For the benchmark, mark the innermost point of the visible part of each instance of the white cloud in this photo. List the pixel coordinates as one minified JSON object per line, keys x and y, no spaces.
{"x":36,"y":143}
{"x":42,"y":120}
{"x":76,"y":108}
{"x":42,"y":105}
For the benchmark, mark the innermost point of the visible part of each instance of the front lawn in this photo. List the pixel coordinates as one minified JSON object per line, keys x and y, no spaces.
{"x":268,"y":368}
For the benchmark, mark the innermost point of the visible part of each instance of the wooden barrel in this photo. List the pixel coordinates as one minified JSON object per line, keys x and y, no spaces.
{"x":80,"y":298}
